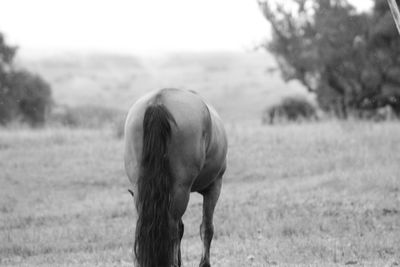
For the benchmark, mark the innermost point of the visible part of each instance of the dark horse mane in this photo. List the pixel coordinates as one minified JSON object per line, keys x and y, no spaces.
{"x":153,"y":242}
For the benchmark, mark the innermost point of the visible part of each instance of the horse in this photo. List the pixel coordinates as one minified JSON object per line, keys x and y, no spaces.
{"x":175,"y":144}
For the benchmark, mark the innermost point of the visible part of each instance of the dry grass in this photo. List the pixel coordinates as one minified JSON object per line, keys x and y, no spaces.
{"x":294,"y":195}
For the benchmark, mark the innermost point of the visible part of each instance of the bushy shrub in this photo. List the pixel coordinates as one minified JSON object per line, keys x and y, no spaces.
{"x":290,"y":108}
{"x":24,"y":96}
{"x":8,"y":107}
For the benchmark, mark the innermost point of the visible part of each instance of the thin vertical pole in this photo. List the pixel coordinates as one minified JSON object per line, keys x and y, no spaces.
{"x":395,"y":13}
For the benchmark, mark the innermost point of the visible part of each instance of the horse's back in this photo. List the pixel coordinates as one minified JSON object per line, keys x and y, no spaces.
{"x":197,"y":146}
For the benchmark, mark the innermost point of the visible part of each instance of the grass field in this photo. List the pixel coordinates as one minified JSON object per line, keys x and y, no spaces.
{"x":324,"y":194}
{"x":311,"y":194}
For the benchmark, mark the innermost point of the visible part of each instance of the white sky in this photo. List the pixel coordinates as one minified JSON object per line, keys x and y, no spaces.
{"x":134,"y":26}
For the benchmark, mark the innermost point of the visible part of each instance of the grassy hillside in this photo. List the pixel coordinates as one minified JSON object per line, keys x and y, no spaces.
{"x":323,"y":194}
{"x":237,"y":84}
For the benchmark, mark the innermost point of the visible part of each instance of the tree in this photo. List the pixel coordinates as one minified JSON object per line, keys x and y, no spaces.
{"x":7,"y":53}
{"x":22,"y":94}
{"x":350,"y":60}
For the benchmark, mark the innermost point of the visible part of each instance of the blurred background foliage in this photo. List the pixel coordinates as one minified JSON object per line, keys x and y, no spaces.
{"x":24,"y":96}
{"x":350,"y":60}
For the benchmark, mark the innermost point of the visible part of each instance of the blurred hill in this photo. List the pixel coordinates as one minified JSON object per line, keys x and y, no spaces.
{"x":239,"y":85}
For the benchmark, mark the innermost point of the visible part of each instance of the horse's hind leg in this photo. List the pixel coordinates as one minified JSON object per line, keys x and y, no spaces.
{"x":181,"y":230}
{"x":210,"y":198}
{"x":180,"y":199}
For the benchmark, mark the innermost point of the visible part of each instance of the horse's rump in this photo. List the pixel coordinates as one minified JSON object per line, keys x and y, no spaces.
{"x":174,"y":144}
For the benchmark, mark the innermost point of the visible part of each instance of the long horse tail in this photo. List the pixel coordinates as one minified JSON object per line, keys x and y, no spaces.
{"x":153,"y":241}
